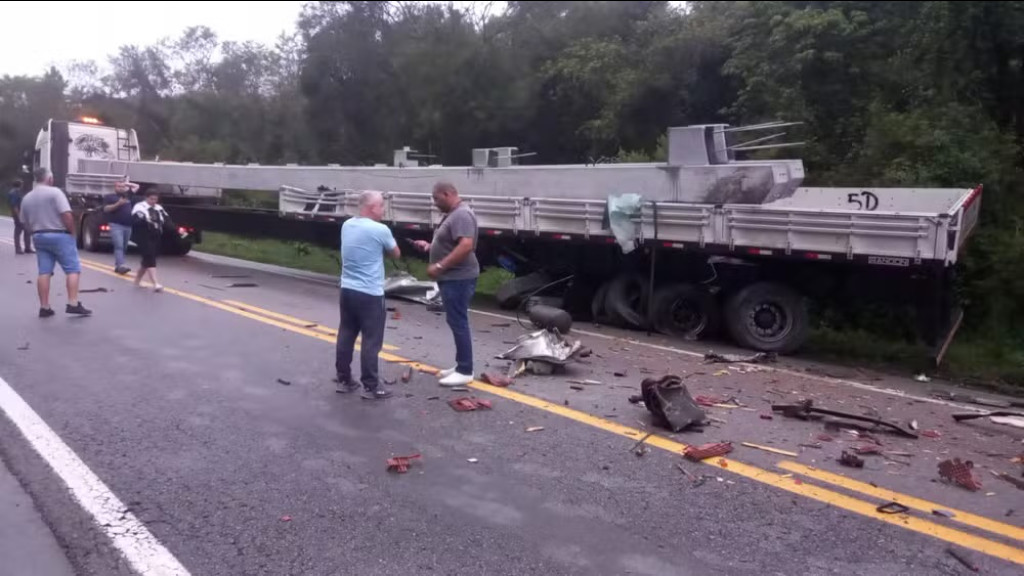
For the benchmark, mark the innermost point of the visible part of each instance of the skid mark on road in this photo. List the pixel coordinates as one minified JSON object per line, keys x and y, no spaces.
{"x":790,"y":484}
{"x":129,"y":536}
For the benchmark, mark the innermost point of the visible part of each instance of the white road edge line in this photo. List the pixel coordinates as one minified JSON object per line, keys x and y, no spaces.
{"x":139,"y":547}
{"x":827,"y":379}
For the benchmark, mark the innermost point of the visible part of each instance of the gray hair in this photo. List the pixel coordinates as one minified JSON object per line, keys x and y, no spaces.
{"x":369,"y":198}
{"x":444,"y":186}
{"x":40,"y":174}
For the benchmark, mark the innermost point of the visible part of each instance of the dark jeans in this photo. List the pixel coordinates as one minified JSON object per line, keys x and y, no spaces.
{"x":363,"y":314}
{"x":19,"y":231}
{"x":455,"y":295}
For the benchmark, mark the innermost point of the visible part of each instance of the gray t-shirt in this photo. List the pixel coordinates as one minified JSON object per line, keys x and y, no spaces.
{"x":460,"y":223}
{"x":41,"y":208}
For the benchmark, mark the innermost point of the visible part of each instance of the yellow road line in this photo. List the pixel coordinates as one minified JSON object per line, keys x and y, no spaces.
{"x":792,"y":485}
{"x":291,"y":319}
{"x":283,"y":325}
{"x":925,"y":506}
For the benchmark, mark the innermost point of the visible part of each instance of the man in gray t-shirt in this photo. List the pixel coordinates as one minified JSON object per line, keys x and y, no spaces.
{"x":454,"y":265}
{"x":46,"y":214}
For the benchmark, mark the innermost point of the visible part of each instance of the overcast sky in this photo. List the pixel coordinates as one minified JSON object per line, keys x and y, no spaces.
{"x":38,"y":34}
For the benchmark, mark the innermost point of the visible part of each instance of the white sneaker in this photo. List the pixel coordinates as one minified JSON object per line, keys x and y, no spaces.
{"x":455,"y":379}
{"x":158,"y":288}
{"x":446,"y":372}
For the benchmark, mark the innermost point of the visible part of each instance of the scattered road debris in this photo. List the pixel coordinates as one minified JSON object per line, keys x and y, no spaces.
{"x":960,"y":473}
{"x":24,"y":347}
{"x":913,"y":425}
{"x":806,"y":411}
{"x":576,"y":387}
{"x":466,"y":404}
{"x":639,"y":449}
{"x":496,"y":379}
{"x":868,"y":450}
{"x":708,"y":401}
{"x":407,"y":374}
{"x":943,"y":513}
{"x":396,"y":315}
{"x":825,"y":438}
{"x":770,"y":449}
{"x":705,"y":451}
{"x":851,"y":460}
{"x":502,"y":324}
{"x":243,"y":285}
{"x":758,"y":358}
{"x":286,"y":518}
{"x":892,"y":508}
{"x":620,"y":374}
{"x":534,"y":428}
{"x":980,"y":401}
{"x":232,"y":276}
{"x":543,"y":352}
{"x":931,"y":434}
{"x":472,"y":460}
{"x":960,"y":417}
{"x":922,"y":378}
{"x":670,"y":402}
{"x":433,"y":397}
{"x":1015,"y":421}
{"x":585,"y":382}
{"x":212,"y":287}
{"x":92,"y":290}
{"x":810,"y":445}
{"x":961,"y":558}
{"x":766,"y":416}
{"x":283,"y":382}
{"x":405,"y":286}
{"x":721,"y":373}
{"x":1004,"y":476}
{"x":400,"y":464}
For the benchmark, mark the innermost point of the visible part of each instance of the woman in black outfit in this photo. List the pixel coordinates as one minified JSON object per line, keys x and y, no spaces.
{"x":150,"y":221}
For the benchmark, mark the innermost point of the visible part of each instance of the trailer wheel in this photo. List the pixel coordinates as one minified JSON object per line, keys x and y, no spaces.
{"x":767,"y":317}
{"x":684,"y":311}
{"x":626,"y":301}
{"x":511,"y":293}
{"x":598,"y":310}
{"x":90,"y":234}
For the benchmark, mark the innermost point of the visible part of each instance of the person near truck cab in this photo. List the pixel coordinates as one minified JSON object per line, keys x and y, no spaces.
{"x":14,"y":197}
{"x":117,"y":208}
{"x":453,"y":264}
{"x":46,"y":213}
{"x":150,"y":220}
{"x":364,"y":242}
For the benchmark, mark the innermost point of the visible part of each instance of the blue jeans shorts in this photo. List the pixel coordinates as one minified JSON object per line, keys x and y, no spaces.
{"x":56,"y":248}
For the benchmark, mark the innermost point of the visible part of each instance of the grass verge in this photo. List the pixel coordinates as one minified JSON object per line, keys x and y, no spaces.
{"x":305,"y":256}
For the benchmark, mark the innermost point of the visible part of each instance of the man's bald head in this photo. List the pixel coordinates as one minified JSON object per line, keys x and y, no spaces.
{"x":446,"y":196}
{"x":371,"y":205}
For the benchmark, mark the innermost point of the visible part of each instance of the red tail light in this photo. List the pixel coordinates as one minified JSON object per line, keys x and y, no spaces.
{"x":104,"y":227}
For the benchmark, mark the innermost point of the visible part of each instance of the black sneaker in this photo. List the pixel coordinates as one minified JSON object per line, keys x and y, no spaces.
{"x":122,"y":270}
{"x":346,"y":387}
{"x":46,"y":312}
{"x":30,"y":251}
{"x":378,"y":394}
{"x":77,"y":309}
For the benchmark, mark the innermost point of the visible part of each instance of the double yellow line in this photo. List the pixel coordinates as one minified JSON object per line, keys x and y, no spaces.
{"x":788,"y":482}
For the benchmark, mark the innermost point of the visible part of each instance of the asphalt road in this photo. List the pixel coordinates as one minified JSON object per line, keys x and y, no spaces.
{"x":173,"y":400}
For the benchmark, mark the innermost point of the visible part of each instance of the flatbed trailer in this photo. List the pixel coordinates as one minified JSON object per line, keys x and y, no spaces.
{"x":687,"y":247}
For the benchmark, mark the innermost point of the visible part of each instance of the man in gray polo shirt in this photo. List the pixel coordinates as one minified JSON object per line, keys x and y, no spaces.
{"x":454,"y":265}
{"x":46,"y":214}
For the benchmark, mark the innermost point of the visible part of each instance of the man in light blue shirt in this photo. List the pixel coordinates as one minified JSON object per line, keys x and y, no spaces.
{"x":364,"y":242}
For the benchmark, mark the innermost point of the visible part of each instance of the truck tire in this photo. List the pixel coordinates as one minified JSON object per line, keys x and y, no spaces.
{"x":90,"y":233}
{"x":511,"y":294}
{"x":684,"y":311}
{"x":598,"y":312}
{"x":767,"y":317}
{"x":177,"y":248}
{"x":626,"y":301}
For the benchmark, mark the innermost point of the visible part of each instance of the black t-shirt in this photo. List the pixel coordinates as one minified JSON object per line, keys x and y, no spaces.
{"x":122,"y":215}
